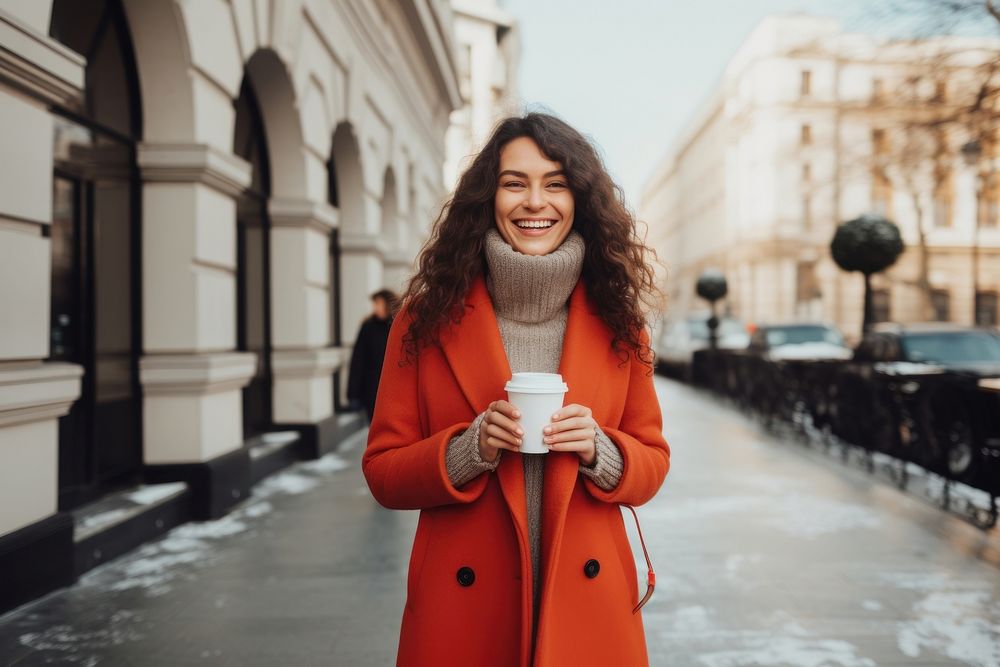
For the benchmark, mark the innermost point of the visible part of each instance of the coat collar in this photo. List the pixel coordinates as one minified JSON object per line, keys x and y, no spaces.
{"x":474,"y":351}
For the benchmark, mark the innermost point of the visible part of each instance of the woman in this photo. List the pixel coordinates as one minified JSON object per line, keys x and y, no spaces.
{"x":534,"y":265}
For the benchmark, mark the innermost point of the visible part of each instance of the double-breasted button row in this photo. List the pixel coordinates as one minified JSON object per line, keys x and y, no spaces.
{"x":467,"y":576}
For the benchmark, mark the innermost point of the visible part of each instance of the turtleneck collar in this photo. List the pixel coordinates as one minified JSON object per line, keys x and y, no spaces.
{"x":531,"y":288}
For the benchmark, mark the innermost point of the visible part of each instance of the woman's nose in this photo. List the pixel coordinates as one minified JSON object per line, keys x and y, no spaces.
{"x":535,"y":200}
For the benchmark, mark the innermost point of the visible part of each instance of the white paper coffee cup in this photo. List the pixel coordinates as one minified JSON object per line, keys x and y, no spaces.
{"x":537,"y":396}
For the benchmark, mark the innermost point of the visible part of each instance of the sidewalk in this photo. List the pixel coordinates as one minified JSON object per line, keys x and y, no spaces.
{"x":766,"y":553}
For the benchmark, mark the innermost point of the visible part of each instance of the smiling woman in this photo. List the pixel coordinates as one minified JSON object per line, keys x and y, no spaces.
{"x":533,"y":267}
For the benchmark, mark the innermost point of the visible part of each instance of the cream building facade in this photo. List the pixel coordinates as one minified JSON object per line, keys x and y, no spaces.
{"x":197,"y":198}
{"x":793,"y":141}
{"x":488,"y":48}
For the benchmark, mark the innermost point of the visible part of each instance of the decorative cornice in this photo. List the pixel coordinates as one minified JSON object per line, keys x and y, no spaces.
{"x":187,"y":374}
{"x":303,"y":213}
{"x":38,"y":65}
{"x":195,"y":163}
{"x":362,"y":243}
{"x":397,"y":259}
{"x":37,"y":391}
{"x":319,"y":362}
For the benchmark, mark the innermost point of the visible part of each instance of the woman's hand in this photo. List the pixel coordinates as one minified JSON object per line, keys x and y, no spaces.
{"x":573,"y":429}
{"x":499,"y":430}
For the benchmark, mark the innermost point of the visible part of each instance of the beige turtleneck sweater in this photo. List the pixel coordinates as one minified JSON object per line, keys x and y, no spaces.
{"x":530,"y":294}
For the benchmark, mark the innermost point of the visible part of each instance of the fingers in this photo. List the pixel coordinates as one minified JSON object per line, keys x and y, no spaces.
{"x":505,"y":408}
{"x":571,"y":410}
{"x":499,"y":429}
{"x":581,"y":434}
{"x":501,"y":437}
{"x":570,"y":424}
{"x":578,"y":445}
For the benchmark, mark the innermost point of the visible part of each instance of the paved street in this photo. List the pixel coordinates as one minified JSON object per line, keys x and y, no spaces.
{"x":767,"y":552}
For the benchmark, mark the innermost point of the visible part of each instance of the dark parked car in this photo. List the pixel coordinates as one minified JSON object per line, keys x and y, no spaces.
{"x":927,"y":393}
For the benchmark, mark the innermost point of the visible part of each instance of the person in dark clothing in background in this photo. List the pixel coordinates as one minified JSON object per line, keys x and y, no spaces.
{"x":369,"y":349}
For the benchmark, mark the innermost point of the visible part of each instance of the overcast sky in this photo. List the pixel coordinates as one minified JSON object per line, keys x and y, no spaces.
{"x":630,"y":73}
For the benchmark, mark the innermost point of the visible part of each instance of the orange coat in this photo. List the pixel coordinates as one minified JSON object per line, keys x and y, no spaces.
{"x":482,"y":525}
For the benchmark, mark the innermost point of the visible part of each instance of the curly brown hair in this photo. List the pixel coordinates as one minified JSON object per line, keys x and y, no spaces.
{"x":616,"y":264}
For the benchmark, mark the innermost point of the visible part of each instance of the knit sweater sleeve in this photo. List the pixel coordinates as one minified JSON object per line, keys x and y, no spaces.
{"x":606,"y":471}
{"x":462,"y":457}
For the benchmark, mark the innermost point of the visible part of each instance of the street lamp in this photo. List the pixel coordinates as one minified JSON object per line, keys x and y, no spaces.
{"x":712,"y":286}
{"x":972,"y":151}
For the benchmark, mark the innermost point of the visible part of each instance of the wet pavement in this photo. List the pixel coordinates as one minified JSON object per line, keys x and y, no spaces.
{"x":767,"y":552}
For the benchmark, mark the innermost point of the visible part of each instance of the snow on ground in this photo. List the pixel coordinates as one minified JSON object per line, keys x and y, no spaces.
{"x":787,"y":644}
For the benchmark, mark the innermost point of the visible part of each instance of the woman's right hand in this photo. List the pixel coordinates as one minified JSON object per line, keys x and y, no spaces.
{"x":499,"y":430}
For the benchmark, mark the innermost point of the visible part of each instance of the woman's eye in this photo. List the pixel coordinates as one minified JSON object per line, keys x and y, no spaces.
{"x":513,"y":184}
{"x":557,"y":185}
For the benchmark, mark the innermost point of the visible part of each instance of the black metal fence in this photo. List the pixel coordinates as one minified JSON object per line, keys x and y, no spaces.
{"x":942,"y":421}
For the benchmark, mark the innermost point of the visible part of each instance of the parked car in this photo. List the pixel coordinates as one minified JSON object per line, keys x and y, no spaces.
{"x":807,"y":340}
{"x":928,"y":393}
{"x":681,"y":338}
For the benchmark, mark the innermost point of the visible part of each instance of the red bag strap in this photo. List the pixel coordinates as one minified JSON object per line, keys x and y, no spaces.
{"x":650,"y":575}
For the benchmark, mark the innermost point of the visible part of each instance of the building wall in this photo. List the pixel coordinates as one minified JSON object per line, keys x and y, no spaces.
{"x":487,"y":50}
{"x":746,"y":189}
{"x":368,"y":86}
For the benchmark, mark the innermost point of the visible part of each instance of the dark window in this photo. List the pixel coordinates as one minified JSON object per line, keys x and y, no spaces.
{"x":805,"y":83}
{"x":941,"y":305}
{"x":986,"y":309}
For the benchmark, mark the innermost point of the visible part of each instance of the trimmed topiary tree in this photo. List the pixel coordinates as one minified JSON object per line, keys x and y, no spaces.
{"x":868,"y":244}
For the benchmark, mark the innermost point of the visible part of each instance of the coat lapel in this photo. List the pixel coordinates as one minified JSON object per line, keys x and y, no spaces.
{"x":474,"y":351}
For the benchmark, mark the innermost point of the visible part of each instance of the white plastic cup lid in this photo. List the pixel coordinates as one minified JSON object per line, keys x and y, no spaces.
{"x":536,"y":383}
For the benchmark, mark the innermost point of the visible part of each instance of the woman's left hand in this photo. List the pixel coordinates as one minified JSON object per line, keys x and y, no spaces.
{"x":573,"y":429}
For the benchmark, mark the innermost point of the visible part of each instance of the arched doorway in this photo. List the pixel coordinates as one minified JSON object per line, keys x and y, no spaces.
{"x":95,"y":308}
{"x":253,"y":280}
{"x":345,"y":192}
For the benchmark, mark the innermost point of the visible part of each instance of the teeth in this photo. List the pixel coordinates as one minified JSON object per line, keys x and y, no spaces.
{"x":534,"y":224}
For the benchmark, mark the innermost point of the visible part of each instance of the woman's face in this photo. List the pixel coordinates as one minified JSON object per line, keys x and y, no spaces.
{"x":533,"y":202}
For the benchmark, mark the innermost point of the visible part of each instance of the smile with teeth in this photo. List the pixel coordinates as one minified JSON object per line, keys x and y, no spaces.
{"x":534,"y":224}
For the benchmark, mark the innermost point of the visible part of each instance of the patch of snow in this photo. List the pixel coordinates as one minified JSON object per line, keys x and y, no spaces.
{"x":327,"y":464}
{"x":280,"y":437}
{"x":70,"y":640}
{"x":153,"y":493}
{"x":95,"y":522}
{"x":871,"y":605}
{"x":257,"y":509}
{"x":289,"y":482}
{"x":963,"y":625}
{"x":797,"y":651}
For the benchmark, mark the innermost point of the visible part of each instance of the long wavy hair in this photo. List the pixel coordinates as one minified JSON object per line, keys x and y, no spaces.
{"x":616,"y":266}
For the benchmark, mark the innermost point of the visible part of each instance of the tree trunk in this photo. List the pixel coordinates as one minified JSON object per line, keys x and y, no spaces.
{"x":869,"y":306}
{"x":923,"y":270}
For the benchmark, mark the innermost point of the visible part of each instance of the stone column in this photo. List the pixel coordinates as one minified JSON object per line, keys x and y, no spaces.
{"x":36,"y":541}
{"x":302,"y":360}
{"x":191,"y":375}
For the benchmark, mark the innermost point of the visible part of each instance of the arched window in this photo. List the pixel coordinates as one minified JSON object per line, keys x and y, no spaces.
{"x":253,"y":284}
{"x":95,"y":307}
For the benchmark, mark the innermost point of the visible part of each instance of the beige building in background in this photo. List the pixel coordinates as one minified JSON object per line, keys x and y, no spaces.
{"x":487,"y":44}
{"x":800,"y":135}
{"x":197,"y":198}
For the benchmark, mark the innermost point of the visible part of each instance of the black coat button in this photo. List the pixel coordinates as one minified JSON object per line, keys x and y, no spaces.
{"x":591,"y":568}
{"x":466,"y":576}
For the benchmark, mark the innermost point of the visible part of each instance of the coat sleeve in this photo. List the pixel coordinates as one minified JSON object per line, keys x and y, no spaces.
{"x":639,"y":437}
{"x":405,"y":468}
